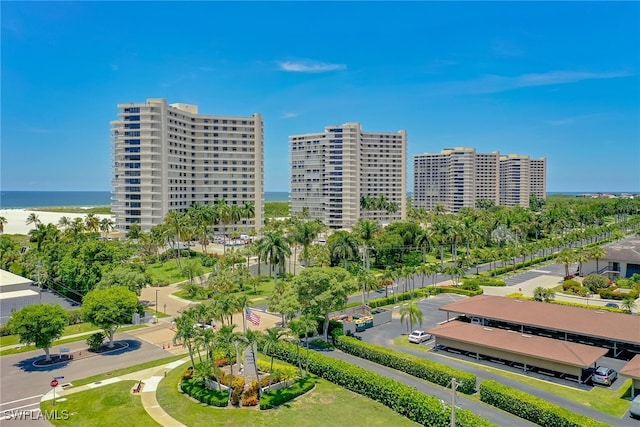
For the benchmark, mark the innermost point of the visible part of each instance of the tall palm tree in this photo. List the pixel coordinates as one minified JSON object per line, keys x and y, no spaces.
{"x":274,"y":247}
{"x":271,"y":340}
{"x":186,"y":333}
{"x":64,"y":223}
{"x":411,"y":314}
{"x":366,"y":230}
{"x":92,"y":223}
{"x":106,"y":225}
{"x":596,"y":252}
{"x":565,"y":256}
{"x":3,"y":222}
{"x":368,"y":282}
{"x":176,"y":222}
{"x":223,"y":216}
{"x":424,"y":242}
{"x":580,"y":257}
{"x":310,"y":326}
{"x":226,"y":339}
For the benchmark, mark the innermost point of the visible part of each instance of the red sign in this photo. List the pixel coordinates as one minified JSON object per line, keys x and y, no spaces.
{"x":54,"y":383}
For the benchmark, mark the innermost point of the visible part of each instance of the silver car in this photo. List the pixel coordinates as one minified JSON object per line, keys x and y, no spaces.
{"x":604,"y":375}
{"x":418,"y":337}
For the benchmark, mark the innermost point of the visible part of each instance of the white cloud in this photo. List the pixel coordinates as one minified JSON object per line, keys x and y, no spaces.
{"x":290,"y":115}
{"x":310,"y":67}
{"x":496,"y":83}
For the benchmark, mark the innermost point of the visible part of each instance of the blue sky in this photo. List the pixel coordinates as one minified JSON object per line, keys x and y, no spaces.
{"x":555,"y":80}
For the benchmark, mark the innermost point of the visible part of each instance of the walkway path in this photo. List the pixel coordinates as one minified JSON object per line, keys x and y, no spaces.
{"x":150,"y":377}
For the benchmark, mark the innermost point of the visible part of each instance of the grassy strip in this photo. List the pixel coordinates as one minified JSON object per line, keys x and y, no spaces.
{"x":99,"y":210}
{"x":125,"y":371}
{"x":63,"y":341}
{"x":601,"y":399}
{"x":105,"y":406}
{"x":309,"y":410}
{"x":78,"y":328}
{"x":272,"y":399}
{"x":196,"y":390}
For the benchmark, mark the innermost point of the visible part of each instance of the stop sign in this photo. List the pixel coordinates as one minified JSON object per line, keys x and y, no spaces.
{"x":54,"y":383}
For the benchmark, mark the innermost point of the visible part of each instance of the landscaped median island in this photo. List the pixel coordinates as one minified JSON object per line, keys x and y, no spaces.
{"x":309,"y":409}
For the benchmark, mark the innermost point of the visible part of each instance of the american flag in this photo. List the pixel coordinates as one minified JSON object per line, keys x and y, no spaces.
{"x":252,"y":317}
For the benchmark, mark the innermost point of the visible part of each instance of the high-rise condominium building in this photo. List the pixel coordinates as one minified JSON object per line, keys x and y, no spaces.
{"x":333,"y":171}
{"x":168,"y":157}
{"x":458,"y":177}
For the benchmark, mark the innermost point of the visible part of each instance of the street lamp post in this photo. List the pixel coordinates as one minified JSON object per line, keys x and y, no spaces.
{"x":157,"y":301}
{"x":454,"y":386}
{"x":39,"y":265}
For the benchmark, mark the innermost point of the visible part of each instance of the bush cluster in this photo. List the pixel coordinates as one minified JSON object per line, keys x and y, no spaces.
{"x":532,"y":408}
{"x":237,"y":389}
{"x":419,"y":293}
{"x":571,"y":286}
{"x":95,"y":340}
{"x":595,"y":282}
{"x":250,"y":396}
{"x":403,"y":399}
{"x":272,"y":399}
{"x":482,"y":281}
{"x":198,"y":391}
{"x":434,"y":372}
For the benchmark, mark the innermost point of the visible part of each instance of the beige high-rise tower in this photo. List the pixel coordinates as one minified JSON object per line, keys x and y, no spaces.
{"x":168,"y":157}
{"x":332,"y":171}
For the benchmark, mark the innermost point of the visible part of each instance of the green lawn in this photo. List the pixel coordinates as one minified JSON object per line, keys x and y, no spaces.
{"x":102,"y":210}
{"x":108,"y":406}
{"x":63,"y":340}
{"x":601,"y":399}
{"x":166,"y":272}
{"x":69,"y":330}
{"x":128,"y":370}
{"x":326,"y":405}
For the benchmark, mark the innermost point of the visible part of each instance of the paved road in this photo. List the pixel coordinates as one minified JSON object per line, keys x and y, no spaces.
{"x":23,"y":384}
{"x":385,"y":334}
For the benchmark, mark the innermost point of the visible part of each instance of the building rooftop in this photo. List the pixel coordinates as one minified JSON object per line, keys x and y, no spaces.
{"x":627,"y":250}
{"x":632,"y":368}
{"x":564,"y":352}
{"x":575,"y":320}
{"x":8,"y":279}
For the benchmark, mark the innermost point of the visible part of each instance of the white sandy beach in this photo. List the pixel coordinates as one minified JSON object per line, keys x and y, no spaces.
{"x":16,"y":219}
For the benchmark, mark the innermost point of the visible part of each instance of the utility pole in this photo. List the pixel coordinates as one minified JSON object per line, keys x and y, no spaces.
{"x":454,"y":386}
{"x":39,"y":265}
{"x":157,"y":301}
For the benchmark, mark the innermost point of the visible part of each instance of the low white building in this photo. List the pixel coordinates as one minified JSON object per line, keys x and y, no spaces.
{"x":15,"y":293}
{"x":621,"y":260}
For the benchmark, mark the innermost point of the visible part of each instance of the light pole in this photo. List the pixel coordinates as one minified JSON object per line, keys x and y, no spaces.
{"x":157,"y":301}
{"x":39,"y":265}
{"x":454,"y":386}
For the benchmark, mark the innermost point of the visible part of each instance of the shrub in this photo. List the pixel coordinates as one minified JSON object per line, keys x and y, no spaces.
{"x":611,"y":293}
{"x":199,"y":392}
{"x":532,"y":408}
{"x":322,"y":343}
{"x":595,"y":282}
{"x":221,"y":362}
{"x":95,"y":340}
{"x":238,"y":388}
{"x":571,"y":286}
{"x":434,"y":372}
{"x":187,"y":374}
{"x":250,"y":396}
{"x":272,"y":399}
{"x":75,"y":316}
{"x":482,"y":281}
{"x":405,"y":400}
{"x":6,"y":330}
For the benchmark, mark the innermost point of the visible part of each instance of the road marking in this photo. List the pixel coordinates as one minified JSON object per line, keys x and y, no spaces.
{"x":20,"y":400}
{"x":23,"y":406}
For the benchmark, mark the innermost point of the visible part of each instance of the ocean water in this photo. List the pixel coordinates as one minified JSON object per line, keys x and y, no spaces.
{"x":34,"y":199}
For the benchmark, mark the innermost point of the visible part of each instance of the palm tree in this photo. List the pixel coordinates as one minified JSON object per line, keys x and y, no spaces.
{"x":628,"y":303}
{"x":565,"y":256}
{"x":368,"y":282}
{"x":223,"y":215}
{"x":424,"y":243}
{"x":304,"y":233}
{"x":106,"y":225}
{"x":33,"y":219}
{"x":411,"y":313}
{"x":344,"y":247}
{"x":272,"y":338}
{"x":186,"y":333}
{"x":92,"y":223}
{"x":580,"y":257}
{"x":176,"y":222}
{"x":3,"y":222}
{"x":366,"y":230}
{"x":274,"y":247}
{"x":226,"y":341}
{"x":134,"y":232}
{"x":596,"y":252}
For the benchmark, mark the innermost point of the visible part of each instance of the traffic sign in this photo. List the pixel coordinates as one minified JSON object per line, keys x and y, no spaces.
{"x":54,"y":383}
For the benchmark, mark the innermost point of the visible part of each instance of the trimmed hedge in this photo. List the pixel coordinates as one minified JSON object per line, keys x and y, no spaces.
{"x":483,"y":281}
{"x":202,"y":394}
{"x":532,"y":408}
{"x":418,"y":293}
{"x":403,"y":399}
{"x":271,"y":399}
{"x":434,"y":372}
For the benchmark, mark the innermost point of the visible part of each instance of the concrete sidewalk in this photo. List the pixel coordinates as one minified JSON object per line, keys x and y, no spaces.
{"x":150,"y":378}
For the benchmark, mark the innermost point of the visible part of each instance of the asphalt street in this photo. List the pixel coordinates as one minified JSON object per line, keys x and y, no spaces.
{"x":24,"y":384}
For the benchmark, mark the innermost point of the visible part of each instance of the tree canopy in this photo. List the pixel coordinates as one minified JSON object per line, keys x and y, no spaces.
{"x":40,"y":324}
{"x":110,"y":308}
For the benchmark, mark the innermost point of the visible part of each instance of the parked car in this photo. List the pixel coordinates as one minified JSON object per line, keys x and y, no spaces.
{"x":634,"y":411}
{"x":611,"y":305}
{"x":418,"y":337}
{"x":604,"y":375}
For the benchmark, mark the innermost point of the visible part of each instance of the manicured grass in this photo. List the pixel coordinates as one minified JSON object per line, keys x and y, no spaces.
{"x":78,"y":328}
{"x":101,"y":210}
{"x":109,"y":405}
{"x":166,"y":272}
{"x":326,"y":405}
{"x":601,"y":399}
{"x":263,"y":292}
{"x":128,"y":370}
{"x":63,"y":341}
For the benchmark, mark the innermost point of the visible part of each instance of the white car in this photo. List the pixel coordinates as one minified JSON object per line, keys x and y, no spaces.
{"x":418,"y":337}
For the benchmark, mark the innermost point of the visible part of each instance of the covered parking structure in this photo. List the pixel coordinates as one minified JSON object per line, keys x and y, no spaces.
{"x":618,"y":332}
{"x":632,"y":370}
{"x":549,"y":356}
